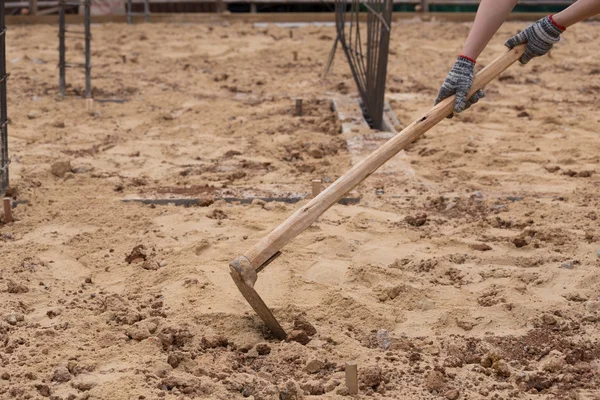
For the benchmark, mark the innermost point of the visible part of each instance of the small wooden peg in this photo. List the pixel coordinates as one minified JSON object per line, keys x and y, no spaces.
{"x":316,"y":187}
{"x":352,"y":377}
{"x":7,"y":210}
{"x":295,"y":54}
{"x":89,"y":105}
{"x":299,"y":107}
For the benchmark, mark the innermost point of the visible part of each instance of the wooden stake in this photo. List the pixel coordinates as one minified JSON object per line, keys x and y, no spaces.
{"x":7,"y":210}
{"x":316,"y":187}
{"x":295,"y":53}
{"x":352,"y":377}
{"x":299,"y":107}
{"x":89,"y":105}
{"x":291,"y":34}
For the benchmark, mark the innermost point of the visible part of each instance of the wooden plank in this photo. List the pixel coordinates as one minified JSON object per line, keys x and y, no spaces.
{"x":251,"y":18}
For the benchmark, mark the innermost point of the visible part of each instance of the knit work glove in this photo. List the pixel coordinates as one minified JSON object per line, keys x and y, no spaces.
{"x":459,"y":82}
{"x":539,"y":36}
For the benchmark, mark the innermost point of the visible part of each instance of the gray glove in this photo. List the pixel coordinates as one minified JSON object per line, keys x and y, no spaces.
{"x":459,"y":82}
{"x":539,"y":36}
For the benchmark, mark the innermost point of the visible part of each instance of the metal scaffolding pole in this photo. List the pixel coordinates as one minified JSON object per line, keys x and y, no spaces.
{"x":129,"y":12}
{"x":4,"y":160}
{"x":88,"y":52}
{"x":147,"y":10}
{"x":61,"y":48}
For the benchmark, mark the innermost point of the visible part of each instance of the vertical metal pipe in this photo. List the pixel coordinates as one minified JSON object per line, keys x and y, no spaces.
{"x":129,"y":11}
{"x":61,"y":48}
{"x":147,"y":10}
{"x":88,"y":55}
{"x":3,"y":108}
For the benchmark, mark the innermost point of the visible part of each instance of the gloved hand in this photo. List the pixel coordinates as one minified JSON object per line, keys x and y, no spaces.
{"x":539,"y":36}
{"x":459,"y":82}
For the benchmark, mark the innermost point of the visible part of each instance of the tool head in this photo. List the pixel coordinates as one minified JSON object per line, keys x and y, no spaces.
{"x":244,"y":279}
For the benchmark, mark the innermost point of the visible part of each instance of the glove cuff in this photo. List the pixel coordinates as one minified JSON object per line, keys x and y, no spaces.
{"x":467,"y":58}
{"x":551,"y":19}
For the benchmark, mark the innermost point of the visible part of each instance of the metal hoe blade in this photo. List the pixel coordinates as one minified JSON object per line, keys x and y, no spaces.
{"x":244,"y":279}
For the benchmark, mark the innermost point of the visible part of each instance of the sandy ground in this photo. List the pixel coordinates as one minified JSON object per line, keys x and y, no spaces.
{"x":481,"y":268}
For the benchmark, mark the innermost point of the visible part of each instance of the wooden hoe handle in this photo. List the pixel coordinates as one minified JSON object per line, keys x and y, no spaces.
{"x":253,"y":259}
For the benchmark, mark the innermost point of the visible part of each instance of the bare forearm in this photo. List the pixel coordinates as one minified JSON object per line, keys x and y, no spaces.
{"x":577,"y":12}
{"x":490,"y":16}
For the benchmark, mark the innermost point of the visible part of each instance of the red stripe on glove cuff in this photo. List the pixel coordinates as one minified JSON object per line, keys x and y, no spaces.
{"x":468,"y":58}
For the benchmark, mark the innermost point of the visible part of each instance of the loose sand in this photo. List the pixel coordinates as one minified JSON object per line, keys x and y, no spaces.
{"x":481,"y":267}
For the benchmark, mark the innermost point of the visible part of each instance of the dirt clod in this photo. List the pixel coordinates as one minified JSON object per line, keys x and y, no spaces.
{"x":60,"y":168}
{"x":137,"y":254}
{"x":299,"y":336}
{"x":302,"y":323}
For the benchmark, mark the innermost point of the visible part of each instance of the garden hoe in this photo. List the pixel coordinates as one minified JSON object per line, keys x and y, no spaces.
{"x":245,"y":269}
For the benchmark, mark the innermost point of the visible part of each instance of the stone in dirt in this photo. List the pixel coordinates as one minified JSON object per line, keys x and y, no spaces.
{"x":481,"y":247}
{"x":370,"y":376}
{"x":434,"y":381}
{"x":314,"y":366}
{"x":83,"y":385}
{"x":43,"y":390}
{"x":519,"y":242}
{"x":291,"y":391}
{"x":212,"y":342}
{"x":313,"y":388}
{"x":53,"y":313}
{"x":383,"y":339}
{"x":263,"y":349}
{"x":174,"y":359}
{"x":138,"y":253}
{"x":299,"y":336}
{"x":150,"y":265}
{"x":60,"y":168}
{"x":14,"y":318}
{"x":301,"y":323}
{"x":216,"y":214}
{"x":452,"y":394}
{"x":417,"y":220}
{"x":206,"y":201}
{"x":61,"y":375}
{"x":549,"y":319}
{"x":138,"y":332}
{"x":16,"y":288}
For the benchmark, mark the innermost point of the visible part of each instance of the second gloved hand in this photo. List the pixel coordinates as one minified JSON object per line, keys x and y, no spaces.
{"x":539,"y":36}
{"x":459,"y":81}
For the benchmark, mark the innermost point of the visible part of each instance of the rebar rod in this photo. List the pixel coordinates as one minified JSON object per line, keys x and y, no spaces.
{"x":369,"y":72}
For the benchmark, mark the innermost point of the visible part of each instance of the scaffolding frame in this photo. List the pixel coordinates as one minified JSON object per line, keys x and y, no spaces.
{"x":130,"y":12}
{"x":4,"y":160}
{"x":86,"y":34}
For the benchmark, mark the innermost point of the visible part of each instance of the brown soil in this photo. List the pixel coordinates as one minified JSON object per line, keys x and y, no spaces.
{"x":475,"y":278}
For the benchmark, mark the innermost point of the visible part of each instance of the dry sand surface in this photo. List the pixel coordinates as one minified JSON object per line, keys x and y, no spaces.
{"x":481,"y":267}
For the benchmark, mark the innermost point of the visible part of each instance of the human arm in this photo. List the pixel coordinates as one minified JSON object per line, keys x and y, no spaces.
{"x":490,"y":16}
{"x":543,"y":34}
{"x":577,"y":12}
